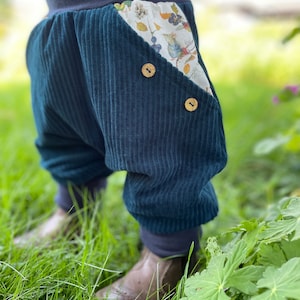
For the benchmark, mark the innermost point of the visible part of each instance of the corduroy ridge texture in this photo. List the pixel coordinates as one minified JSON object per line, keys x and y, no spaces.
{"x":96,"y":113}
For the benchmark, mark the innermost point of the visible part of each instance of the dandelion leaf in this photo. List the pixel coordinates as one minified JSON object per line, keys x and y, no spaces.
{"x":281,"y":283}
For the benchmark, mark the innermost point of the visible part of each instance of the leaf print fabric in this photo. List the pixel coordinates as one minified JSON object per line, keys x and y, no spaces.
{"x":164,"y":27}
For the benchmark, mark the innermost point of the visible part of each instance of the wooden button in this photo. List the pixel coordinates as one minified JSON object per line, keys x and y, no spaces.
{"x":148,"y":70}
{"x":191,"y":104}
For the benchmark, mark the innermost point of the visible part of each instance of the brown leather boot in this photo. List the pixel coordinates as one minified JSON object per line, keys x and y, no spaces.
{"x":150,"y":278}
{"x":55,"y":225}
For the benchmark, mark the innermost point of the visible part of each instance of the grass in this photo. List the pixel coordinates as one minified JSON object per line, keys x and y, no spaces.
{"x":247,"y":67}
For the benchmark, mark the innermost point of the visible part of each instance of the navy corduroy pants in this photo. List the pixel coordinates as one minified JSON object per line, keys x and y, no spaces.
{"x":96,"y":112}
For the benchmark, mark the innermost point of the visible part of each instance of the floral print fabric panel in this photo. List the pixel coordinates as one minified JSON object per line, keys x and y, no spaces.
{"x":164,"y":27}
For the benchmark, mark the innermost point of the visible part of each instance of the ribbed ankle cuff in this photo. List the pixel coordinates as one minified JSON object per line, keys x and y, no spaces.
{"x":173,"y":244}
{"x":71,"y":197}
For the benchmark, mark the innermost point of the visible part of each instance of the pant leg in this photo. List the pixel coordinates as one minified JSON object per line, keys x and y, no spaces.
{"x":69,"y":139}
{"x":72,"y":197}
{"x":172,"y":244}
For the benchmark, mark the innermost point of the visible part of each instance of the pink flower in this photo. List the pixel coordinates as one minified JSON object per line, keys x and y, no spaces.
{"x":275,"y":100}
{"x":293,"y":88}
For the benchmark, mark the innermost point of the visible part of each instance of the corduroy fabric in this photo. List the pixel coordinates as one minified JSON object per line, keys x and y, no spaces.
{"x":95,"y":112}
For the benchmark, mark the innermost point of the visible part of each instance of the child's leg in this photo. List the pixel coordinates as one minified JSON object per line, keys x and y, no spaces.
{"x":68,"y":199}
{"x":144,"y":116}
{"x":170,"y":139}
{"x":69,"y":139}
{"x":72,"y":197}
{"x":162,"y":264}
{"x":172,"y":244}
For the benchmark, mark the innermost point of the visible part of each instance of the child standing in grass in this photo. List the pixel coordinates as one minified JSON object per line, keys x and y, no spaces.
{"x":122,"y":86}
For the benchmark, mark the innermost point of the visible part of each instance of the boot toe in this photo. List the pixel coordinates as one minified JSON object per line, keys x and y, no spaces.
{"x":55,"y":225}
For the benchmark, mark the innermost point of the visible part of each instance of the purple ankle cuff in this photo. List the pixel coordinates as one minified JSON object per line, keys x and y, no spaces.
{"x":173,"y":244}
{"x":71,"y":197}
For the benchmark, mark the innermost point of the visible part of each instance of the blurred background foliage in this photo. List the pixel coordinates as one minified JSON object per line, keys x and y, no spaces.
{"x":5,"y":14}
{"x":248,"y":64}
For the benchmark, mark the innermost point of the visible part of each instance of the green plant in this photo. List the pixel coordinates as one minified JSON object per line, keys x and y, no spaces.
{"x":261,"y":262}
{"x":290,"y":139}
{"x":262,"y":258}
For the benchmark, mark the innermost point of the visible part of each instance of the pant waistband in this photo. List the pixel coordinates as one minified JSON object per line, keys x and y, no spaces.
{"x":58,"y":6}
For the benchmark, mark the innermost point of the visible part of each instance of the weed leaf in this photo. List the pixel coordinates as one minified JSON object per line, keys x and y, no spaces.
{"x":278,"y":230}
{"x":293,"y":209}
{"x":212,"y":248}
{"x":245,"y":279}
{"x":271,"y":255}
{"x":212,"y":282}
{"x":291,"y":248}
{"x":297,"y":231}
{"x":281,"y":283}
{"x":237,"y":256}
{"x":268,"y":145}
